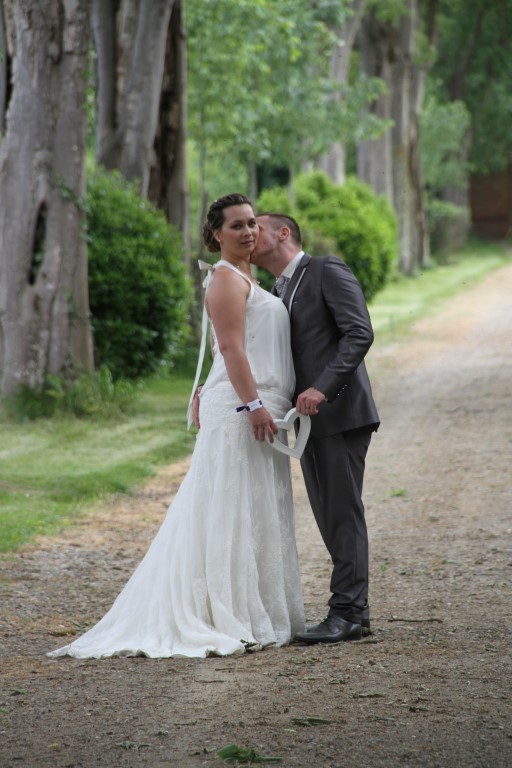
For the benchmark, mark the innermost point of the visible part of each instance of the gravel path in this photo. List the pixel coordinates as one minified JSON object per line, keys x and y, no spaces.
{"x":430,"y":687}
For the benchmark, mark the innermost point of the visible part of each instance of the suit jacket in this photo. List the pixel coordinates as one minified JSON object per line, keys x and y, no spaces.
{"x":331,"y":333}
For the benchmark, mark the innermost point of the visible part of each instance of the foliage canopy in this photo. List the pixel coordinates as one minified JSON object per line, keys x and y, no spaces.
{"x":474,"y":64}
{"x":259,"y":80}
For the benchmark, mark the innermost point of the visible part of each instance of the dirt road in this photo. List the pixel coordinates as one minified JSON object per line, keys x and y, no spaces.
{"x":430,"y":687}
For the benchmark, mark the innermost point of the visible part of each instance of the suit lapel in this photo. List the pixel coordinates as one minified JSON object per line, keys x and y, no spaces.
{"x":295,"y":282}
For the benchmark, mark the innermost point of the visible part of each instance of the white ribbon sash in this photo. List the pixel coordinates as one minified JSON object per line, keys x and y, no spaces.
{"x":202,"y":348}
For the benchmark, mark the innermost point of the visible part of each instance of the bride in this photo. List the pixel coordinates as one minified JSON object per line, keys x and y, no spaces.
{"x":221,"y":575}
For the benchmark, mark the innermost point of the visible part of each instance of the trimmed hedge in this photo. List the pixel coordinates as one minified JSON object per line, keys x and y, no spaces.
{"x":139,"y":292}
{"x":349,"y":221}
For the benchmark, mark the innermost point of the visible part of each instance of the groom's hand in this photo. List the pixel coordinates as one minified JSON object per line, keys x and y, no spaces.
{"x":262,"y":424}
{"x":309,"y":400}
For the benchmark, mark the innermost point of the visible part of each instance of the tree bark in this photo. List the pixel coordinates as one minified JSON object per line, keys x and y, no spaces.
{"x":401,"y":110}
{"x":374,"y":158}
{"x":333,"y":162}
{"x":44,"y":312}
{"x":407,"y":98}
{"x":168,"y":183}
{"x":392,"y":163}
{"x":104,"y":33}
{"x":4,"y":69}
{"x":141,"y":106}
{"x":126,"y":141}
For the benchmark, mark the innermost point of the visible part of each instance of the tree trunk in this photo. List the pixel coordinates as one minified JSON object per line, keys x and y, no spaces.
{"x":4,"y":70}
{"x":401,"y":110}
{"x":105,"y":36}
{"x":44,"y":313}
{"x":407,"y":98}
{"x":125,"y":140}
{"x":374,"y":158}
{"x":391,"y":165}
{"x":141,"y":107}
{"x":333,"y":162}
{"x":168,"y":185}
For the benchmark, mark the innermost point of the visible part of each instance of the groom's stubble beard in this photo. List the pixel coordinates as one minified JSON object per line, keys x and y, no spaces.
{"x":255,"y":259}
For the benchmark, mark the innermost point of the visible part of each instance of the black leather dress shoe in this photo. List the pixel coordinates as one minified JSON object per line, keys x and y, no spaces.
{"x":333,"y":629}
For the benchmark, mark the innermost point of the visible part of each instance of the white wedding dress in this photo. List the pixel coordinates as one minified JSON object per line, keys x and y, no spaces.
{"x":221,"y":575}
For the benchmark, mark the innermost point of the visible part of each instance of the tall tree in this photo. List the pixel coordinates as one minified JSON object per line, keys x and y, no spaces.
{"x":4,"y":71}
{"x":44,"y":313}
{"x":397,"y":44}
{"x":344,"y":31}
{"x":141,"y":92}
{"x":408,"y":74}
{"x":376,"y":40}
{"x":168,"y":182}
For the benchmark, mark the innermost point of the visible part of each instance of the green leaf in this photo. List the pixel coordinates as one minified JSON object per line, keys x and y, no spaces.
{"x":232,"y":753}
{"x":132,"y":745}
{"x":310,"y":721}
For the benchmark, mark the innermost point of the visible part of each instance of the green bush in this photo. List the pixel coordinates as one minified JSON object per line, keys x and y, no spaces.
{"x":349,"y":221}
{"x":138,"y":289}
{"x":275,"y":200}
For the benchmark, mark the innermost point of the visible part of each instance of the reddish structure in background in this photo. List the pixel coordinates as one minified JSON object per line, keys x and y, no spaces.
{"x":491,"y":204}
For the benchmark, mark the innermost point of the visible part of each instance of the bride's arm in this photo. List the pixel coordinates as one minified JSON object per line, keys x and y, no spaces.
{"x":226,"y":299}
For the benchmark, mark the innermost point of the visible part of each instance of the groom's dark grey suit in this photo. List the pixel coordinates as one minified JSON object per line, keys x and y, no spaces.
{"x":331,"y":333}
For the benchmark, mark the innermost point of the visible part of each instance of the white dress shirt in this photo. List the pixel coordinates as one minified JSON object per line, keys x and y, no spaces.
{"x":292,"y":265}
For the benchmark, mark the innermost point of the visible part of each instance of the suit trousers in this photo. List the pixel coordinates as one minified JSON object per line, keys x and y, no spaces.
{"x":333,"y":469}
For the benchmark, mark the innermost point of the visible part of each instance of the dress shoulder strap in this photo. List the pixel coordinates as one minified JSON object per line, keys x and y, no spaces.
{"x":223,"y":263}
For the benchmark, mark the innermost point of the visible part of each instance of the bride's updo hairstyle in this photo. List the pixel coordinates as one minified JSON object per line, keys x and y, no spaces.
{"x":215,"y":218}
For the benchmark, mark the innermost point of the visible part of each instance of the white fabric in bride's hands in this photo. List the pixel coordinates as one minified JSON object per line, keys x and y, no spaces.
{"x":222,"y":572}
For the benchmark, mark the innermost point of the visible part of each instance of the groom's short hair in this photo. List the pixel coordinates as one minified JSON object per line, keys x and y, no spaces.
{"x":283,"y":220}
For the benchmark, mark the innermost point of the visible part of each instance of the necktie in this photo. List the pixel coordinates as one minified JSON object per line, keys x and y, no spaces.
{"x":280,"y":285}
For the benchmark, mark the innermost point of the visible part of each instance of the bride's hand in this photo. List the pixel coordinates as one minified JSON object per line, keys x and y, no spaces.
{"x":195,"y":408}
{"x":262,"y":424}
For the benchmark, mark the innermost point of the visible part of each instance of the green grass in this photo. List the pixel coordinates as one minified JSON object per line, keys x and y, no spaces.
{"x":52,"y":470}
{"x":405,"y":300}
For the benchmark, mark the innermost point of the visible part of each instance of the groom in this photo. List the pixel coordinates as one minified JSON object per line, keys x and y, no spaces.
{"x":331,"y":333}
